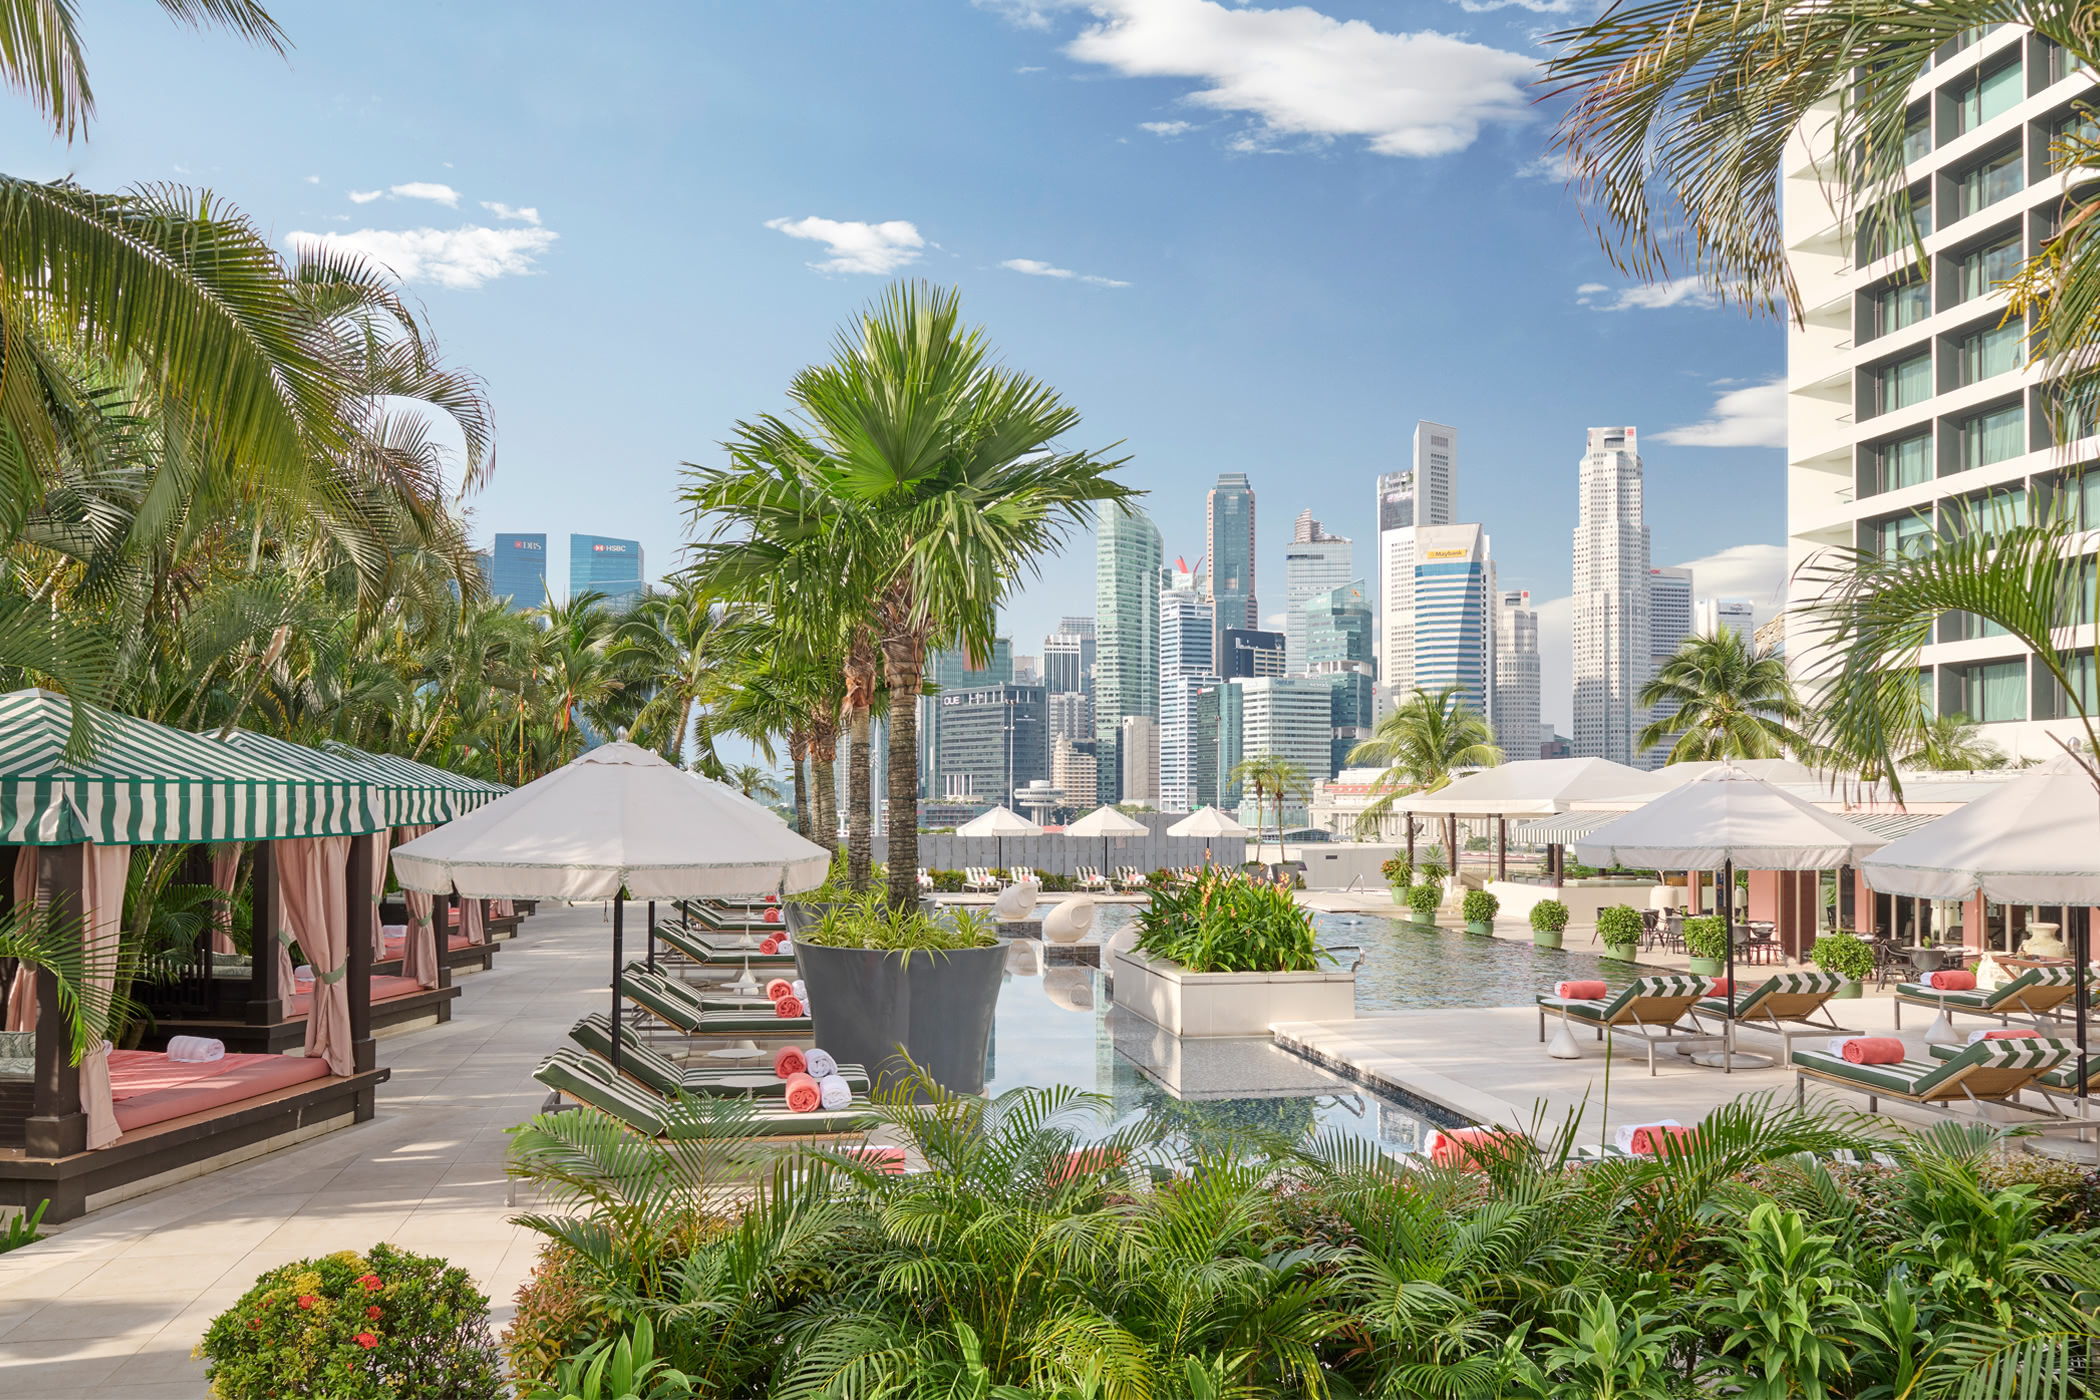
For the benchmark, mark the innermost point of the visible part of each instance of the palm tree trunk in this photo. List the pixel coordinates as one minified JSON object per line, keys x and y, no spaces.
{"x":823,"y":759}
{"x":860,"y":703}
{"x":798,"y":749}
{"x":904,"y":667}
{"x":1451,"y":846}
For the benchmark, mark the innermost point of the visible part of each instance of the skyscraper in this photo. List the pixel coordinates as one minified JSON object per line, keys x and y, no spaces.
{"x":1313,"y":562}
{"x":1669,"y":623}
{"x":1137,"y":747}
{"x":992,"y":740}
{"x":1454,"y":625}
{"x":1186,"y":665}
{"x":1611,"y":638}
{"x":606,"y":565}
{"x":1068,"y":656}
{"x":1291,"y":718}
{"x":1425,"y":494}
{"x":1517,"y":677}
{"x":1914,"y":409}
{"x":1072,"y":716}
{"x":950,"y":668}
{"x":1229,"y":548}
{"x":518,"y":571}
{"x":1340,"y":648}
{"x":1126,"y":627}
{"x":1072,"y":772}
{"x":1185,"y":634}
{"x":1713,"y":616}
{"x":1250,"y":653}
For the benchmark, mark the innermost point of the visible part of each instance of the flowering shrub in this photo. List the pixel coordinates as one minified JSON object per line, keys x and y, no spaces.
{"x":1399,"y":871}
{"x":558,"y":1314}
{"x":388,"y":1325}
{"x":1227,"y":921}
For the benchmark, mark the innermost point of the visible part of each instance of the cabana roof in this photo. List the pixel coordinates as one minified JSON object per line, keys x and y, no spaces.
{"x":402,"y":792}
{"x":1535,"y":787}
{"x":150,"y":784}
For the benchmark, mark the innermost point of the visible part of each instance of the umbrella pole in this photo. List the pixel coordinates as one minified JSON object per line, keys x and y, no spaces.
{"x":2081,"y":949}
{"x":1725,"y":897}
{"x":652,"y":935}
{"x":616,"y":912}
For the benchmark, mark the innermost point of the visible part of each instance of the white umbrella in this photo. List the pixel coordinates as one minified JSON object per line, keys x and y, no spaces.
{"x":2035,"y":840}
{"x":1105,"y":822}
{"x":1207,"y":822}
{"x":1719,"y":820}
{"x":999,"y":823}
{"x":615,"y":822}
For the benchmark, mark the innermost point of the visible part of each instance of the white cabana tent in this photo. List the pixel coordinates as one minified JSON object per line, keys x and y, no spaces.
{"x":1105,"y":822}
{"x":1208,"y":823}
{"x":1541,"y":787}
{"x":2034,"y":840}
{"x":617,"y":821}
{"x":999,"y":823}
{"x":1720,"y":820}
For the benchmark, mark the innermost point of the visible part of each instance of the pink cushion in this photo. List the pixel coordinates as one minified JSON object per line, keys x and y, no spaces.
{"x":384,"y":988}
{"x":150,"y":1088}
{"x":455,"y":942}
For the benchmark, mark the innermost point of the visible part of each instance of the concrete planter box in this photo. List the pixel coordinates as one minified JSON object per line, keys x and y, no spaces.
{"x":1199,"y":1004}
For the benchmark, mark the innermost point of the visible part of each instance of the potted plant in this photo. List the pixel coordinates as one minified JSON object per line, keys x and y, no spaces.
{"x":1707,"y":941}
{"x":889,"y":983}
{"x":1399,"y":873}
{"x":1848,"y":956}
{"x":1229,"y":954}
{"x":1619,"y":925}
{"x":1479,"y":909}
{"x":1549,"y":917}
{"x":1425,"y":899}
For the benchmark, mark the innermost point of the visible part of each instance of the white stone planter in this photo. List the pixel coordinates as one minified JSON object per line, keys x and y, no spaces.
{"x":1198,"y":1004}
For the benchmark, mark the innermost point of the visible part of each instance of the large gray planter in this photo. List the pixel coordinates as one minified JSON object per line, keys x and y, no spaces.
{"x":865,"y":1003}
{"x":800,"y":917}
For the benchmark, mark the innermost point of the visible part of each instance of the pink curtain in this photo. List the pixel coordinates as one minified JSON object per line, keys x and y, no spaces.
{"x":313,"y":887}
{"x":21,"y":992}
{"x":105,"y":870}
{"x":379,"y":846}
{"x":225,"y":869}
{"x":471,"y":923}
{"x":419,"y":957}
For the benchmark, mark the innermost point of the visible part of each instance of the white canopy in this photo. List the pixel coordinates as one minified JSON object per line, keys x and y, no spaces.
{"x":2035,"y":840}
{"x":1772,"y":770}
{"x":998,"y":822}
{"x":1537,"y":787}
{"x":1727,"y":815}
{"x":1207,"y":822}
{"x":618,"y":816}
{"x":1106,"y":821}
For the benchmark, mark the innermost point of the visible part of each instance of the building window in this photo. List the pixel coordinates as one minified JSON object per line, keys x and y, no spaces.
{"x":2054,"y":703}
{"x":1966,"y":627}
{"x":1979,"y":273}
{"x":1980,"y":98}
{"x":1991,"y":436}
{"x":1905,"y":462}
{"x":1990,"y":692}
{"x":2056,"y":61}
{"x":1917,"y":137}
{"x":1879,"y":227}
{"x":1992,"y":351}
{"x":1903,"y":383}
{"x":1992,"y":513}
{"x":1987,"y":182}
{"x":1901,"y":306}
{"x":1905,"y":537}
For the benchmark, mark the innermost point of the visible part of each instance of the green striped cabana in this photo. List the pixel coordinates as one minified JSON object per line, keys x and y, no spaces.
{"x":452,"y":794}
{"x":148,"y":784}
{"x":401,"y":793}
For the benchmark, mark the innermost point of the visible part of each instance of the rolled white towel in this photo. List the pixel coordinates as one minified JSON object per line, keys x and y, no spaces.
{"x":303,"y":973}
{"x":801,"y":992}
{"x":1836,"y":1044}
{"x":819,"y":1063}
{"x":195,"y":1049}
{"x":1975,"y":1036}
{"x":835,"y":1093}
{"x":1623,"y":1139}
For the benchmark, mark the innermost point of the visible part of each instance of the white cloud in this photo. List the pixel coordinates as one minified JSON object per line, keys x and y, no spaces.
{"x":1166,"y":128}
{"x":1754,"y":416}
{"x":1537,"y":7}
{"x":365,"y":196}
{"x":423,"y":189}
{"x":460,"y":258}
{"x":313,"y":179}
{"x":501,"y":210}
{"x":1299,"y":73}
{"x":1034,"y":268}
{"x":1028,"y":14}
{"x":1029,"y":68}
{"x":856,"y":246}
{"x":1694,"y":291}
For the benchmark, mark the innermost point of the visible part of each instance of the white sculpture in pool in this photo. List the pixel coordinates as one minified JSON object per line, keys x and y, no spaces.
{"x":1070,"y":921}
{"x":1015,"y":901}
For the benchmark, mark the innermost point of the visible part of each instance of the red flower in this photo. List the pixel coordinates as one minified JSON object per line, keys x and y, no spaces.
{"x":307,"y":1300}
{"x":373,"y":1311}
{"x":253,"y":1323}
{"x":366,"y":1340}
{"x":371,"y":1283}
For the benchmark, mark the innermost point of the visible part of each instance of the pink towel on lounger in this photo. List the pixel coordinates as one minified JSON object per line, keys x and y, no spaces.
{"x":1953,"y":980}
{"x":803,"y":1095}
{"x":1581,"y":991}
{"x":788,"y":1062}
{"x":778,"y":988}
{"x":787,"y":1007}
{"x":1648,"y":1141}
{"x":1873,"y":1050}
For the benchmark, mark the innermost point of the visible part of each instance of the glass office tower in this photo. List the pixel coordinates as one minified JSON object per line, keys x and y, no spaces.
{"x":606,"y":565}
{"x":518,"y":571}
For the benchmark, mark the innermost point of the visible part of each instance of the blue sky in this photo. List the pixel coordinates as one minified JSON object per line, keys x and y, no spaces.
{"x":1289,"y":233}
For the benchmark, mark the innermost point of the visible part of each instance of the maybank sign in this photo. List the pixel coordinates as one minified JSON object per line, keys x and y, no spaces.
{"x":1446,"y":554}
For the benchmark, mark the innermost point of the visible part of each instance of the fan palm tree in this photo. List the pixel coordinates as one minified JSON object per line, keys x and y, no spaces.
{"x":1423,"y":742}
{"x":1953,"y":743}
{"x":1727,"y":698}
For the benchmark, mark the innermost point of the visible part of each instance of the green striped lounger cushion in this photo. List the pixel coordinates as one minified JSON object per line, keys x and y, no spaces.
{"x":2064,"y":1076}
{"x":1674,"y":984}
{"x":1800,"y":984}
{"x":1914,"y":1077}
{"x":724,"y":952}
{"x":669,"y":1002}
{"x":666,"y":1076}
{"x":570,"y":1072}
{"x":1987,"y":998}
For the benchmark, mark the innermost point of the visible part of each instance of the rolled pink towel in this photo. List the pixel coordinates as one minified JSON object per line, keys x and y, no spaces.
{"x":1581,"y":991}
{"x":769,"y":945}
{"x":1648,"y":1141}
{"x":787,"y":1008}
{"x":779,"y":987}
{"x":1873,"y":1050}
{"x":788,"y":1062}
{"x":803,"y":1095}
{"x":1953,"y":980}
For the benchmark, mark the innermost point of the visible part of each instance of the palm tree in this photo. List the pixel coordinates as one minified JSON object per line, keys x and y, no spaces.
{"x":753,"y":781}
{"x":1270,"y":775}
{"x":668,"y":644}
{"x":1680,"y":114}
{"x":1422,"y":743}
{"x":46,"y":62}
{"x":1953,"y":743}
{"x":572,"y":657}
{"x":1727,"y":697}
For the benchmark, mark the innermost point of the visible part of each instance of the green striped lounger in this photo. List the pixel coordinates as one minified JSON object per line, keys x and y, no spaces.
{"x":2035,"y":993}
{"x":1990,"y":1071}
{"x":1786,"y":1004}
{"x":2061,"y":1080}
{"x":652,"y":1068}
{"x":1650,"y":1009}
{"x":682,"y":1009}
{"x":720,"y":952}
{"x":590,"y":1081}
{"x":718,"y":917}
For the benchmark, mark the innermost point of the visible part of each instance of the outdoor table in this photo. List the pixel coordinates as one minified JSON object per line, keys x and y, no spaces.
{"x":1929,"y":960}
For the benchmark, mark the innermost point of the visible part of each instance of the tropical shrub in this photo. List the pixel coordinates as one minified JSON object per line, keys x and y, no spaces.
{"x":1549,"y":916}
{"x":1619,"y":925}
{"x":947,"y":881}
{"x":1054,"y":884}
{"x":1431,"y":871}
{"x":1229,"y":921}
{"x":1704,"y":937}
{"x":1399,"y":871}
{"x":1845,"y":954}
{"x":625,"y":1367}
{"x":1479,"y":907}
{"x":1425,"y":898}
{"x":556,"y":1314}
{"x":24,"y":1228}
{"x":870,"y":921}
{"x":387,"y":1325}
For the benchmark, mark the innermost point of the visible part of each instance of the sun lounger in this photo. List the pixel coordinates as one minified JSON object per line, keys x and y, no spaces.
{"x":2061,"y":1080}
{"x":1650,"y":1009}
{"x":925,"y":878}
{"x":1129,"y":877}
{"x":720,"y":918}
{"x":653,"y":1069}
{"x":1787,"y":1004}
{"x":1990,"y":1071}
{"x":682,"y":1010}
{"x":2035,"y":993}
{"x":714,"y":951}
{"x":1091,"y":879}
{"x":590,"y":1081}
{"x":979,"y":878}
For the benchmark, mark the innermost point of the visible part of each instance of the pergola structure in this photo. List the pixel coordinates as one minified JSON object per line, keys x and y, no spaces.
{"x":1536,"y":788}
